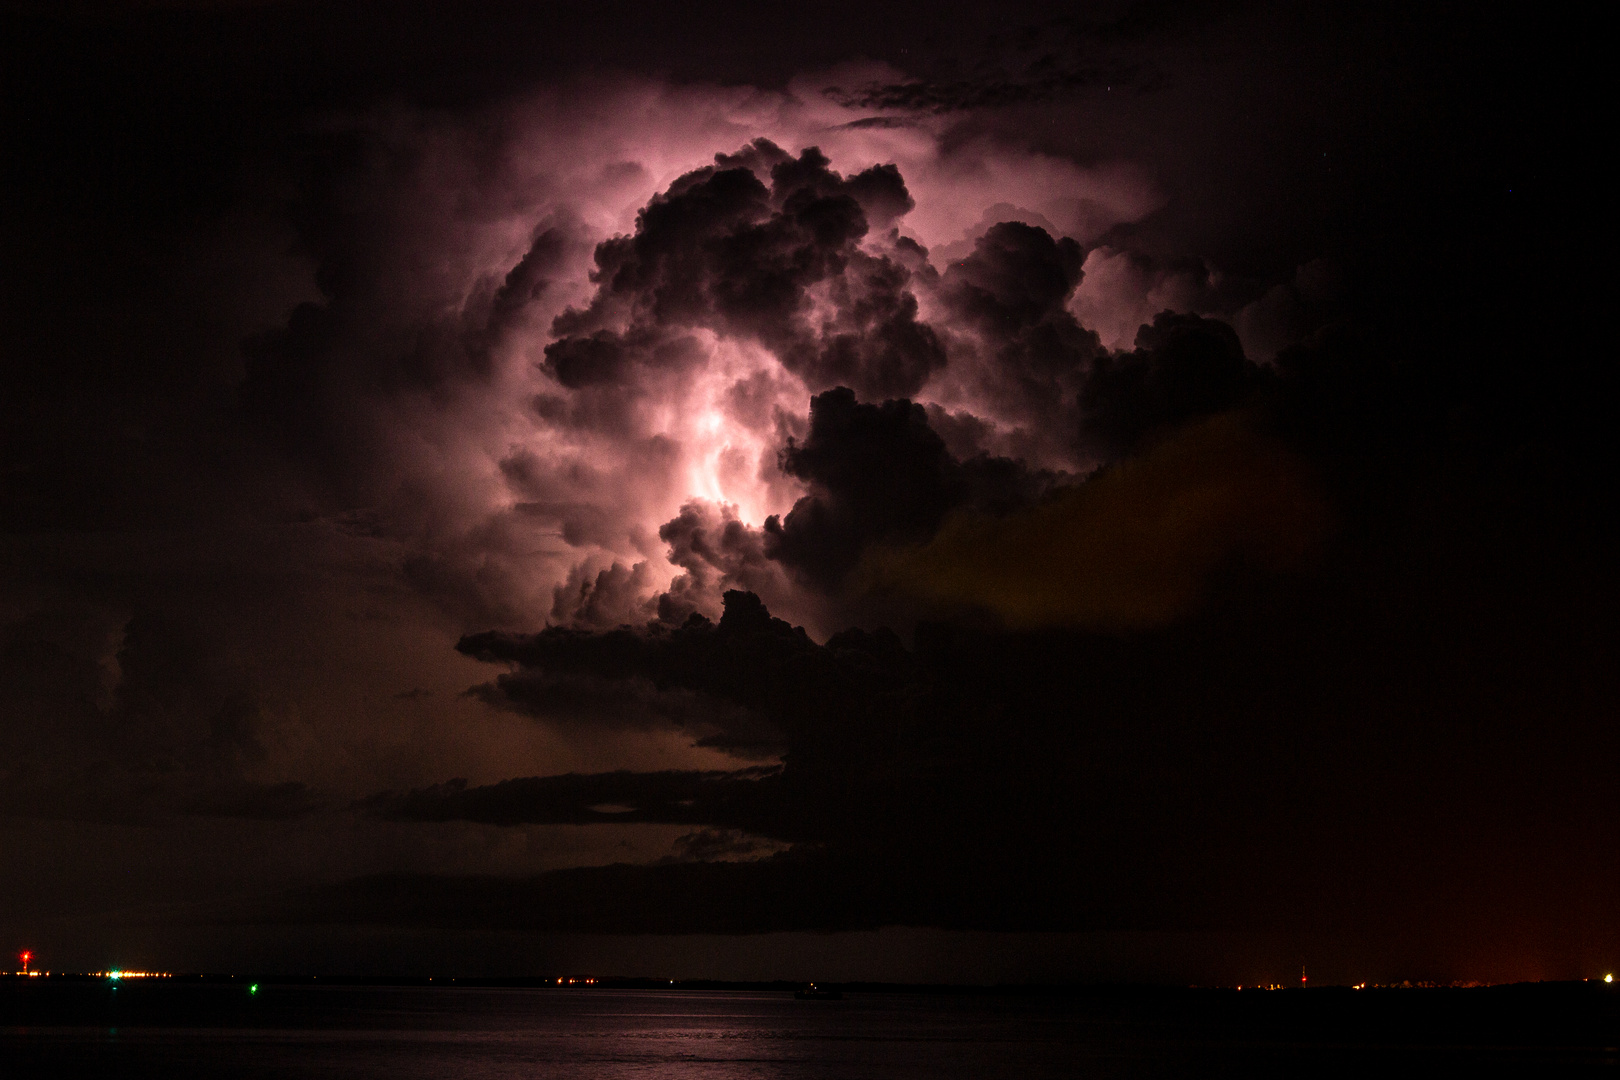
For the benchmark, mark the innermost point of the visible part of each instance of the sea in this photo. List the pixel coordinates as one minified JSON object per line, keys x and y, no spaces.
{"x":453,"y":1032}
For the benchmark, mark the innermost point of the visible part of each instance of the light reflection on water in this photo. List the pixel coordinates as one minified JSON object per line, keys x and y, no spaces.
{"x":473,"y":1034}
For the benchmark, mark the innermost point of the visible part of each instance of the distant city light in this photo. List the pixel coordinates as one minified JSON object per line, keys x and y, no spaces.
{"x":1608,"y":978}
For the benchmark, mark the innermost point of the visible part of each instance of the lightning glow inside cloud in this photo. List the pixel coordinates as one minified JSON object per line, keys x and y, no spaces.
{"x":512,"y":484}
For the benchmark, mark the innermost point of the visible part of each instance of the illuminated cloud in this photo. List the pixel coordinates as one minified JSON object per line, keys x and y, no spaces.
{"x":320,"y":362}
{"x":524,"y":371}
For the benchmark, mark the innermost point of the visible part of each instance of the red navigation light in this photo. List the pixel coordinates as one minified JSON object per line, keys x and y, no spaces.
{"x":25,"y":957}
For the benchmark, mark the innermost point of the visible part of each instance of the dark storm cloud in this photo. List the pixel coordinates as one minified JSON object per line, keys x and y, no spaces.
{"x":721,"y":250}
{"x":1039,"y":59}
{"x":1182,"y":369}
{"x":523,"y":285}
{"x":1124,"y":289}
{"x":716,"y":552}
{"x":614,"y":596}
{"x":886,"y":778}
{"x":593,"y":704}
{"x":989,"y":91}
{"x":879,"y":473}
{"x":878,"y":122}
{"x":876,"y":471}
{"x":1011,"y":295}
{"x":696,"y":658}
{"x":682,"y":798}
{"x":1017,"y":277}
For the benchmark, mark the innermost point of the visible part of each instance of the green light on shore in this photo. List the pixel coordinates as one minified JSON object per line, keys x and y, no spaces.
{"x":254,"y":989}
{"x":114,"y":974}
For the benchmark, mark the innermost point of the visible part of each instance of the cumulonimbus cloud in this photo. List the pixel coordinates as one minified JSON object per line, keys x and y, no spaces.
{"x":539,"y":341}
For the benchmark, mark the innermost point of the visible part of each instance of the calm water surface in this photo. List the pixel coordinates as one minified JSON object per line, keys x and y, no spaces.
{"x":409,"y":1032}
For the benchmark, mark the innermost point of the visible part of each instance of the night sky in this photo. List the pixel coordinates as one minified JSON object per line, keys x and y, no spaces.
{"x":843,"y":490}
